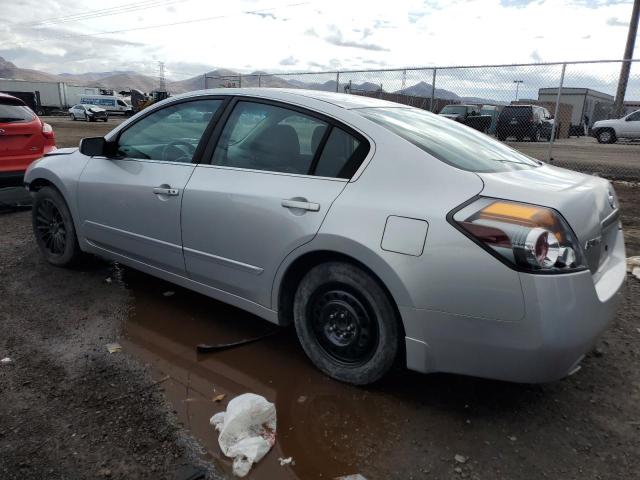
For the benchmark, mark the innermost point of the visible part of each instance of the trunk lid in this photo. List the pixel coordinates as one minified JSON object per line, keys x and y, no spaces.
{"x":586,"y":202}
{"x":19,"y":140}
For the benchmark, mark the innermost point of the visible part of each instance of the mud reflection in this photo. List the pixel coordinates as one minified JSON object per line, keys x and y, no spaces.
{"x":330,"y":429}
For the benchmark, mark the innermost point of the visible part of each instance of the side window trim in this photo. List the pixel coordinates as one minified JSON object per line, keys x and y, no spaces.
{"x":197,"y":155}
{"x":365,"y":145}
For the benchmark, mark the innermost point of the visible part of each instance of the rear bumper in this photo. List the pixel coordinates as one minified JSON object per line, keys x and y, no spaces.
{"x":564,"y":316}
{"x":11,"y":179}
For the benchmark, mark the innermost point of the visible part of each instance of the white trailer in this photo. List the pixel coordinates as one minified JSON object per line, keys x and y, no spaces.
{"x":589,"y":105}
{"x":50,"y":96}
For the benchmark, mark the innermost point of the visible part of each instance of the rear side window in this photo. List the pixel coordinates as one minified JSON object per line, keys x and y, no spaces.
{"x":15,"y":113}
{"x":448,"y":141}
{"x":258,"y":136}
{"x":341,"y":156}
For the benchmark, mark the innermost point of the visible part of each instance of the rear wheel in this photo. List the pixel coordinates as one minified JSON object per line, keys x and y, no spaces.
{"x":346,"y":323}
{"x":536,"y":135}
{"x":53,"y":228}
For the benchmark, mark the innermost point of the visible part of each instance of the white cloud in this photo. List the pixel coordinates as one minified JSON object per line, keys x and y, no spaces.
{"x":316,"y":33}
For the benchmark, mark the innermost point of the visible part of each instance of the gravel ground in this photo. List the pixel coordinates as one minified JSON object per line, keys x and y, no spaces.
{"x":68,"y":408}
{"x":71,"y":410}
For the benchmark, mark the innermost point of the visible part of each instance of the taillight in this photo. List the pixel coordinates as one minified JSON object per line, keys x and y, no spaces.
{"x":527,"y":237}
{"x":47,"y":131}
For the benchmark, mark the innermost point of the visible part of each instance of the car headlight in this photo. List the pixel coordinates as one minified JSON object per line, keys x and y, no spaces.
{"x":526,"y":237}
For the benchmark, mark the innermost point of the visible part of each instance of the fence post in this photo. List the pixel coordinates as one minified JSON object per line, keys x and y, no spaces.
{"x":337,"y":81}
{"x":259,"y":80}
{"x":433,"y":90}
{"x":204,"y":78}
{"x":555,"y":115}
{"x":239,"y":80}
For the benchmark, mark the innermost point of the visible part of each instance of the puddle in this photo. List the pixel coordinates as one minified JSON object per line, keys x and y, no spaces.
{"x":330,"y":429}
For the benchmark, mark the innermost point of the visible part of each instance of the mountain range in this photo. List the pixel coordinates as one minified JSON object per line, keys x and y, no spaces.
{"x":127,"y":79}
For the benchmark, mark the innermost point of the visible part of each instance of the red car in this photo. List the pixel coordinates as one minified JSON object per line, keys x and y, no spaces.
{"x":23,"y":139}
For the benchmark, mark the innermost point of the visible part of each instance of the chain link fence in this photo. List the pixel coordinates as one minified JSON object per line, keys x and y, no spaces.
{"x":548,"y":111}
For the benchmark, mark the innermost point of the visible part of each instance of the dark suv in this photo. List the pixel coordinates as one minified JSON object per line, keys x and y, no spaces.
{"x":522,"y":121}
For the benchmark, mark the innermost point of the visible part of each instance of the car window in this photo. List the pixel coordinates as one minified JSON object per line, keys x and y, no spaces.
{"x":15,"y":113}
{"x":450,"y":142}
{"x":170,"y":134}
{"x":266,"y":137}
{"x":634,"y":117}
{"x":341,"y":156}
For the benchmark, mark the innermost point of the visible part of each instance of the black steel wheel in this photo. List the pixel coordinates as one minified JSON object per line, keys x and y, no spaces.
{"x":346,"y":323}
{"x":344,"y":326}
{"x":53,"y":228}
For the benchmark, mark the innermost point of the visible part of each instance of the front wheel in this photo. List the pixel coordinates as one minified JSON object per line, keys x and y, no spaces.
{"x":72,"y":117}
{"x":346,"y":323}
{"x":606,"y":136}
{"x":53,"y":228}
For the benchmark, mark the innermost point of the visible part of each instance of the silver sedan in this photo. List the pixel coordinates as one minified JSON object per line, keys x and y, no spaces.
{"x":383,"y":232}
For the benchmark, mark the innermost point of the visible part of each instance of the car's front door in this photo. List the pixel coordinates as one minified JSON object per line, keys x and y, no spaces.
{"x":630,"y":128}
{"x":130,"y":204}
{"x":266,"y":191}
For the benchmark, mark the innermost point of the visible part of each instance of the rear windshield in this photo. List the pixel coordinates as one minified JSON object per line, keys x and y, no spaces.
{"x":516,"y":112}
{"x":15,"y":113}
{"x":448,"y":141}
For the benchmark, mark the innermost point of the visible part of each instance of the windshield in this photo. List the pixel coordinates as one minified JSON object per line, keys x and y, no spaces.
{"x":448,"y":141}
{"x":453,"y":110}
{"x":15,"y":113}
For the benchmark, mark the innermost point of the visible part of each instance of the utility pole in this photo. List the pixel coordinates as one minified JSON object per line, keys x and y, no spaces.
{"x":163,"y":80}
{"x":517,"y":82}
{"x":626,"y":65}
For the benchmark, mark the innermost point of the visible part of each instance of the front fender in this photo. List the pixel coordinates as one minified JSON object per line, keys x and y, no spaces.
{"x":61,"y":171}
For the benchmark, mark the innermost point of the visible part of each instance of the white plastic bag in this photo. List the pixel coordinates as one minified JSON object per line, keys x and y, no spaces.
{"x":247,"y":430}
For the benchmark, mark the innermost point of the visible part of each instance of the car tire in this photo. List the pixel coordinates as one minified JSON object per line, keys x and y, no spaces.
{"x":86,"y":118}
{"x":54,"y":229}
{"x":346,"y":323}
{"x":72,"y":116}
{"x":606,"y":135}
{"x":536,"y":135}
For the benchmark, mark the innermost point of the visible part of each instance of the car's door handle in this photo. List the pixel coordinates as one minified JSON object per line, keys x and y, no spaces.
{"x":301,"y":204}
{"x":172,"y":192}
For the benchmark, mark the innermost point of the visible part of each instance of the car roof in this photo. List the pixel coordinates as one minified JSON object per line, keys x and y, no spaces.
{"x":343,"y":100}
{"x":11,"y":100}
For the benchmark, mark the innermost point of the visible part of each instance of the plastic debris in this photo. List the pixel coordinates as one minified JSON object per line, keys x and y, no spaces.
{"x":113,"y":347}
{"x":633,"y":263}
{"x":5,"y":360}
{"x":356,"y":476}
{"x":219,"y":398}
{"x":169,"y":293}
{"x":247,"y":430}
{"x":108,"y":280}
{"x":302,"y":399}
{"x":460,"y":458}
{"x":636,"y":272}
{"x":286,"y":461}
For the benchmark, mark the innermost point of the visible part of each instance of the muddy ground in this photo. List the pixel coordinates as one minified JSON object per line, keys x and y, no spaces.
{"x":69,"y":409}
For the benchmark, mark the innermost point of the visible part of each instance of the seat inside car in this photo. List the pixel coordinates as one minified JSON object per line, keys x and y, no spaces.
{"x":277,"y":148}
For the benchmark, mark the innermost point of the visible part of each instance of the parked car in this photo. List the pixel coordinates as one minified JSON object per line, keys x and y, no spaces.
{"x":468,"y":115}
{"x":89,"y":113}
{"x":522,"y":121}
{"x":609,"y":131}
{"x":383,"y":232}
{"x":23,"y":139}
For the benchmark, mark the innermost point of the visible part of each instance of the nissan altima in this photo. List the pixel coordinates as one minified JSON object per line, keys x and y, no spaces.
{"x":384,"y":233}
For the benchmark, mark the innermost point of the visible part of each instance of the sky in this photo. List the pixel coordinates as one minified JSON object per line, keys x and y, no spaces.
{"x":299,"y":35}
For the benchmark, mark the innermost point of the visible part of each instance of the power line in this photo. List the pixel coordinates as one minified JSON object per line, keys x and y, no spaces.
{"x":125,"y":8}
{"x":148,"y":27}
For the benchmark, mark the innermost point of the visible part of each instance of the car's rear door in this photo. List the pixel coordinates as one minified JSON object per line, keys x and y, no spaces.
{"x":259,"y":199}
{"x":130,"y":204}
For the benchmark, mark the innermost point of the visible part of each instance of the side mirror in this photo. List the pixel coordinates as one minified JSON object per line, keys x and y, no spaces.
{"x":93,"y":146}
